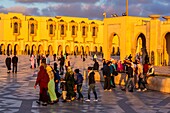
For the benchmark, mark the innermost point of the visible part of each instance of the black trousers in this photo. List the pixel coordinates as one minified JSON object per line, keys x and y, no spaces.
{"x":92,"y":87}
{"x":38,"y":62}
{"x":107,"y":84}
{"x":141,"y":81}
{"x":14,"y":68}
{"x":61,"y":68}
{"x":79,"y":92}
{"x":113,"y":81}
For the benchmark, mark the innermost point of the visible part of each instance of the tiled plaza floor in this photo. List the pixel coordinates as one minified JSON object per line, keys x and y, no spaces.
{"x":17,"y":95}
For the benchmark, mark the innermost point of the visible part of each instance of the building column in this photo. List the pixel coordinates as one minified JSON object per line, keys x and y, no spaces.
{"x":45,"y":44}
{"x":55,"y":46}
{"x":133,"y":51}
{"x":21,"y":47}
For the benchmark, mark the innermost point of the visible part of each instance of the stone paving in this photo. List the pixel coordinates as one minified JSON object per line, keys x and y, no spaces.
{"x":17,"y":94}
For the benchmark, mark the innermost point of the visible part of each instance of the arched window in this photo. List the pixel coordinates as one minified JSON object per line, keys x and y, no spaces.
{"x":84,"y":31}
{"x":101,"y":49}
{"x":51,"y":28}
{"x":31,"y":19}
{"x":61,"y":20}
{"x":73,"y":30}
{"x":94,"y":31}
{"x":15,"y":17}
{"x":32,"y":28}
{"x":50,"y":19}
{"x":62,"y":29}
{"x":15,"y":27}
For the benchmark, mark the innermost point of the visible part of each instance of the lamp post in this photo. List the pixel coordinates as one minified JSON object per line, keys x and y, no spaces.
{"x":127,"y":8}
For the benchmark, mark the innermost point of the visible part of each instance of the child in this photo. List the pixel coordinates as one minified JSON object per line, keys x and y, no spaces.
{"x":64,"y":89}
{"x":79,"y":81}
{"x":91,"y":83}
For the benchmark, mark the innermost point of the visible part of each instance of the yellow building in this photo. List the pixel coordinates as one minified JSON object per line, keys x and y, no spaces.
{"x":149,"y":36}
{"x":122,"y":35}
{"x":23,"y":34}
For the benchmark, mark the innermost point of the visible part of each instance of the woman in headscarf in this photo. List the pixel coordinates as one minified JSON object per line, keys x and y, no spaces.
{"x":42,"y":80}
{"x":51,"y":85}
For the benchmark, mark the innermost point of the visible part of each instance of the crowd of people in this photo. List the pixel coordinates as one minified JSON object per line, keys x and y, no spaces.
{"x":51,"y":78}
{"x":134,"y":74}
{"x":54,"y":83}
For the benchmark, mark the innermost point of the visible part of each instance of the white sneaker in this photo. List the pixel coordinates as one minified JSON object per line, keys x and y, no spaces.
{"x":138,"y":90}
{"x":109,"y":90}
{"x":95,"y":100}
{"x":144,"y":89}
{"x":88,"y":100}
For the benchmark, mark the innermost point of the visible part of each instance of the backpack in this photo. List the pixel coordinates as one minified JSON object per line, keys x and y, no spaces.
{"x":114,"y":71}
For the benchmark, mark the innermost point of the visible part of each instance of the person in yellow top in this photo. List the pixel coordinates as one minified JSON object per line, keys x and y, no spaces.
{"x":51,"y":84}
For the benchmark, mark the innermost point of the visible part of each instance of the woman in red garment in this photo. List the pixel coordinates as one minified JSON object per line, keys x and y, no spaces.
{"x":42,"y":80}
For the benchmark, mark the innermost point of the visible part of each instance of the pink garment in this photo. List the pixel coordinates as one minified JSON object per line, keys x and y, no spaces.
{"x":119,"y":66}
{"x":32,"y":61}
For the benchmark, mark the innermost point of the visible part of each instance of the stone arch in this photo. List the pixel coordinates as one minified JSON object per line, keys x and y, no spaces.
{"x":87,"y":50}
{"x":40,"y":49}
{"x":3,"y":49}
{"x":114,"y":44}
{"x":60,"y":50}
{"x":16,"y":49}
{"x":0,"y":50}
{"x":95,"y":49}
{"x":67,"y":49}
{"x":76,"y":49}
{"x":166,"y":49}
{"x":50,"y":50}
{"x":141,"y":47}
{"x":9,"y":49}
{"x":82,"y":50}
{"x":101,"y":49}
{"x":33,"y":49}
{"x":107,"y":44}
{"x":27,"y":49}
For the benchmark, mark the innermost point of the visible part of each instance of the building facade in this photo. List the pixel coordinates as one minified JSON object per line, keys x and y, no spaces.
{"x":25,"y":35}
{"x":122,"y":35}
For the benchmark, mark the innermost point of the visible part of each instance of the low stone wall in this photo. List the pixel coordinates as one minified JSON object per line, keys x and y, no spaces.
{"x":158,"y":82}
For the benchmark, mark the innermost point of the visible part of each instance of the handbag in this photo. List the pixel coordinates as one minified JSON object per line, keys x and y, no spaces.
{"x":115,"y":73}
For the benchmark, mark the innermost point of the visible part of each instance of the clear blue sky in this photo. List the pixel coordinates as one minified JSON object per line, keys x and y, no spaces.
{"x":92,"y":9}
